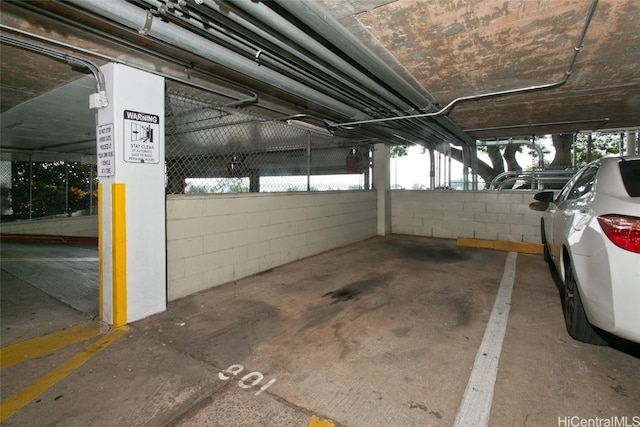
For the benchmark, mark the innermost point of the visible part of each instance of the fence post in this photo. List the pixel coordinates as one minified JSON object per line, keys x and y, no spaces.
{"x":66,"y":188}
{"x":308,"y":160}
{"x":30,"y":186}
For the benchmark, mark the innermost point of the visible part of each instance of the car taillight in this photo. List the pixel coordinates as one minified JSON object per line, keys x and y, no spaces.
{"x":622,"y":230}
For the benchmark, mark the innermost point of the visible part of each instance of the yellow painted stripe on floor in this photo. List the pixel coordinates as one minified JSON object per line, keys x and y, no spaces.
{"x":119,"y":258}
{"x":16,"y":402}
{"x":36,"y":347}
{"x":318,"y":422}
{"x":521,"y":247}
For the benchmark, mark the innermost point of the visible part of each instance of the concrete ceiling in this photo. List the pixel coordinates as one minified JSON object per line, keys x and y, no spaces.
{"x":443,"y":49}
{"x":460,"y":48}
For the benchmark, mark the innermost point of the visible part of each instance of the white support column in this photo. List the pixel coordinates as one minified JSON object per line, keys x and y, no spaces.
{"x":130,"y":146}
{"x":382,"y":185}
{"x":631,"y":143}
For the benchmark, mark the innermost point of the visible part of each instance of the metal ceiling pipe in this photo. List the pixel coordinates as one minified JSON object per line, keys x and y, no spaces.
{"x":100,"y":98}
{"x":328,"y":27}
{"x":281,"y":25}
{"x":136,"y":19}
{"x":265,"y":14}
{"x":418,"y":129}
{"x":239,"y":102}
{"x":250,"y":49}
{"x":450,"y":105}
{"x":262,"y":12}
{"x":265,"y":35}
{"x":598,"y":122}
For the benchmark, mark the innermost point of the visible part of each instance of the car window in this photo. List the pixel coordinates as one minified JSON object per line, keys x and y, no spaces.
{"x":564,"y":193}
{"x":630,"y":172}
{"x":565,"y":190}
{"x":584,"y":183}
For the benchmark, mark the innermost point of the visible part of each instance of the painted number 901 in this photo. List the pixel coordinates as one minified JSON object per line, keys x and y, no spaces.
{"x":250,"y":380}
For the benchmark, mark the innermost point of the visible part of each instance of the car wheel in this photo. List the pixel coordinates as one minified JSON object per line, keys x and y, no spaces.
{"x":545,"y":248}
{"x":575,"y":318}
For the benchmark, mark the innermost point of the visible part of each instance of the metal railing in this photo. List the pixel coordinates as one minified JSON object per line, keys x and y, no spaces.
{"x":531,"y":180}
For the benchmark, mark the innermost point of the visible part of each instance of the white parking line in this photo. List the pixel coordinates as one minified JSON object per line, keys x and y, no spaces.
{"x":476,"y":403}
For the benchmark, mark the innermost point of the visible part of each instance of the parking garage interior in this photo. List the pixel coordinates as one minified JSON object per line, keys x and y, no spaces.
{"x":250,"y":291}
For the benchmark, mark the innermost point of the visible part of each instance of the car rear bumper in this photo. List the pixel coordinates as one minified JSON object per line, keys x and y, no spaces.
{"x":609,"y":283}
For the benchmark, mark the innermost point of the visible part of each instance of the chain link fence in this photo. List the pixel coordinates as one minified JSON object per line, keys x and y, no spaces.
{"x":210,"y":148}
{"x":39,"y":189}
{"x":214,"y":149}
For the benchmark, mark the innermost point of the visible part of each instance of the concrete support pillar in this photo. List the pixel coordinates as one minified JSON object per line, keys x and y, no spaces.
{"x":131,"y":172}
{"x":382,"y":185}
{"x":632,"y":143}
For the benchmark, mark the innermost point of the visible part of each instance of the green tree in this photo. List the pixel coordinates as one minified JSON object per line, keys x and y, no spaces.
{"x":197,"y":189}
{"x":398,"y":151}
{"x":588,"y":146}
{"x":596,"y":147}
{"x":231,"y":185}
{"x":53,"y":188}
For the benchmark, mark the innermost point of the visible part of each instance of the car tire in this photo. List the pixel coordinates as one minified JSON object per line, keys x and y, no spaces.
{"x":545,"y":248}
{"x":575,"y":318}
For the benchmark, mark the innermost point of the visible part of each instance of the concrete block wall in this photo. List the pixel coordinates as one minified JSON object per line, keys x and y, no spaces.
{"x":503,"y":215}
{"x":214,"y":239}
{"x":78,"y":226}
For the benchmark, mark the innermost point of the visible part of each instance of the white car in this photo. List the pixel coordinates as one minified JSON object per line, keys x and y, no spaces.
{"x":591,"y":233}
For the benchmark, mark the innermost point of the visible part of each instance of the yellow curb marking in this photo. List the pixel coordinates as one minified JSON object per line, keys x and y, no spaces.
{"x":26,"y":395}
{"x":317,"y":422}
{"x":521,"y":247}
{"x":35,"y":347}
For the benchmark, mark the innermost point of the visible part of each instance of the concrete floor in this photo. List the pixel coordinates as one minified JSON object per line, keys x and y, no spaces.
{"x":48,"y":266}
{"x":381,"y":333}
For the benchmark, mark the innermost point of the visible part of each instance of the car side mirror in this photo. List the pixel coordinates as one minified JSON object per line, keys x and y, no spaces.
{"x":543,"y":199}
{"x":544,"y":196}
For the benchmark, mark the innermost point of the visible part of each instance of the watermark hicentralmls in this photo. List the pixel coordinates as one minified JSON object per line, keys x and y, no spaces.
{"x":613,"y":421}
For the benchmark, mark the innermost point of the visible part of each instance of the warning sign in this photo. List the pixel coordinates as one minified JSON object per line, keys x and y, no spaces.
{"x":105,"y":150}
{"x":141,"y":137}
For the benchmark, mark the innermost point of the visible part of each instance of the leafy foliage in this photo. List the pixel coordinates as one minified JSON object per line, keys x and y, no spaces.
{"x":219,"y":185}
{"x":398,"y":151}
{"x":601,"y":145}
{"x":48,"y":189}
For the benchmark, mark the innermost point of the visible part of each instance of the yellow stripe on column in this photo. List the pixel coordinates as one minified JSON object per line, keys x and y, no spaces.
{"x":119,"y":253}
{"x":100,"y":256}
